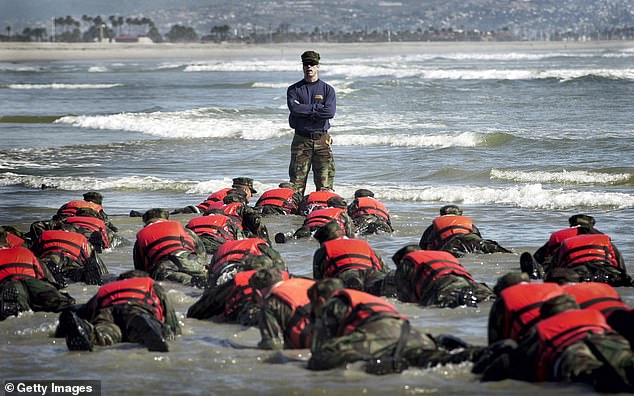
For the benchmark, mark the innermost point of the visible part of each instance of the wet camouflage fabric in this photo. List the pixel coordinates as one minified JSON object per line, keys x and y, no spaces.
{"x":316,"y":153}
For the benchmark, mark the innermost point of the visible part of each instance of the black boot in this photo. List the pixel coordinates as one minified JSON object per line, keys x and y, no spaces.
{"x":148,"y":332}
{"x":530,"y":266}
{"x":9,"y":305}
{"x":77,"y":333}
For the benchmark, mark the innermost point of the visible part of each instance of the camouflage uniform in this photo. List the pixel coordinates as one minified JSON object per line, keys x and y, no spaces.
{"x":315,"y":152}
{"x":117,"y":323}
{"x":377,"y":338}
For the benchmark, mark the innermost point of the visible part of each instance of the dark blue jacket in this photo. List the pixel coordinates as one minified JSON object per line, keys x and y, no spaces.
{"x":311,"y":106}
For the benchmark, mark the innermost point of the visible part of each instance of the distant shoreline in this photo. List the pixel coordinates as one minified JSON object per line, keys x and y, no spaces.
{"x":33,"y":52}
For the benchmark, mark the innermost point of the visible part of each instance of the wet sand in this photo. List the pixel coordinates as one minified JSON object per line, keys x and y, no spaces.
{"x":25,"y":52}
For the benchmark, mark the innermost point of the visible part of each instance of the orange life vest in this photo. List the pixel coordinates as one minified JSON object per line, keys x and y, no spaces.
{"x":215,"y":225}
{"x":562,"y":330}
{"x":230,"y":210}
{"x":556,"y":238}
{"x":446,"y":226}
{"x":241,"y":292}
{"x":320,"y":217}
{"x":235,"y":251}
{"x":69,"y":209}
{"x":162,"y":238}
{"x":370,"y":206}
{"x":294,"y":293}
{"x":317,"y":200}
{"x":139,"y":290}
{"x":19,"y":263}
{"x":91,"y":224}
{"x":522,"y":303}
{"x":70,"y":244}
{"x":595,"y":295}
{"x":581,"y":249}
{"x":14,"y":240}
{"x":280,"y":197}
{"x":217,"y":196}
{"x":364,"y":308}
{"x":343,"y":254}
{"x":431,"y":265}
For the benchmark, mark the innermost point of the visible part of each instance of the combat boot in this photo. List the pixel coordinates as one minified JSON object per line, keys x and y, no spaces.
{"x":530,"y":266}
{"x":148,"y":332}
{"x":9,"y":305}
{"x":77,"y":332}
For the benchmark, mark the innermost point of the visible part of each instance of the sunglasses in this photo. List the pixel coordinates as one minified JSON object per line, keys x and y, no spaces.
{"x":311,"y":64}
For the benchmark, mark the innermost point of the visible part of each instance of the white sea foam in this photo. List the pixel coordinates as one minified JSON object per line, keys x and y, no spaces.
{"x":270,"y":85}
{"x":142,"y":183}
{"x":62,"y":86}
{"x":97,"y":69}
{"x":466,"y":139}
{"x":571,"y":177}
{"x":197,"y":123}
{"x":532,"y":196}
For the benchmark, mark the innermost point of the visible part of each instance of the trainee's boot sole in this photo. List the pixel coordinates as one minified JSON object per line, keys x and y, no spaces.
{"x":152,"y":335}
{"x":9,"y":305}
{"x":77,"y":335}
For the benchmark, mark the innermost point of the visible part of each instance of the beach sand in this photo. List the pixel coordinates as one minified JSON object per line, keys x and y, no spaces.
{"x":26,"y":52}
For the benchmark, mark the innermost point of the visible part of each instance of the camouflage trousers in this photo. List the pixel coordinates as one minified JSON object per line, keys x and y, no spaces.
{"x":307,"y":152}
{"x":33,"y":294}
{"x":182,"y":267}
{"x":114,"y":324}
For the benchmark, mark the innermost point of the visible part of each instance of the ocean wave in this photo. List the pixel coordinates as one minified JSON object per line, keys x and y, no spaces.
{"x":531,"y":196}
{"x":564,"y":177}
{"x":73,"y":183}
{"x":62,"y":86}
{"x":197,"y":123}
{"x":466,"y":139}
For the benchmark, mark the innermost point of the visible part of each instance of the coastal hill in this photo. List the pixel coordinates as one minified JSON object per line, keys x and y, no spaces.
{"x":528,"y":19}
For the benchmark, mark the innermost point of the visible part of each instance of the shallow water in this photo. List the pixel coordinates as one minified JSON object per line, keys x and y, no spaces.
{"x":520,"y":139}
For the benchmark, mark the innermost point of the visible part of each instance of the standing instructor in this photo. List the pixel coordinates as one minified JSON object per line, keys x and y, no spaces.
{"x":312,"y":103}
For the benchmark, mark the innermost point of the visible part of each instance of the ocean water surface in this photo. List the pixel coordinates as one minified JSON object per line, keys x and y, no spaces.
{"x":520,"y":139}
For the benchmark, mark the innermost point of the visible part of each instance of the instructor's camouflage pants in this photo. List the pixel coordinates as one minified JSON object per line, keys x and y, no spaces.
{"x":307,"y":152}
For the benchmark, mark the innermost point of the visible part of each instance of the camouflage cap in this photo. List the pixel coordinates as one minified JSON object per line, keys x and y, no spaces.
{"x":87,"y":212}
{"x":581,"y":220}
{"x":404,"y":251}
{"x":327,"y":232}
{"x":450,"y":210}
{"x":363,"y":192}
{"x":244,"y":181}
{"x":286,"y":185}
{"x":93,"y":196}
{"x":155,"y":213}
{"x":310,"y":57}
{"x":558,"y":305}
{"x":510,"y":279}
{"x":337,"y":202}
{"x":324,"y":288}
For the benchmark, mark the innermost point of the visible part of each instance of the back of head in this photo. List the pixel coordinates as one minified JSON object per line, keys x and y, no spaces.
{"x":562,"y":276}
{"x":450,"y":210}
{"x":235,"y":195}
{"x":265,"y":278}
{"x":327,"y":232}
{"x":133,"y":274}
{"x":155,"y":213}
{"x":581,"y":220}
{"x":337,"y":202}
{"x":87,"y":212}
{"x":324,"y":289}
{"x":362,"y":192}
{"x":508,"y":280}
{"x":556,"y":305}
{"x":93,"y":196}
{"x":402,"y":252}
{"x":286,"y":185}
